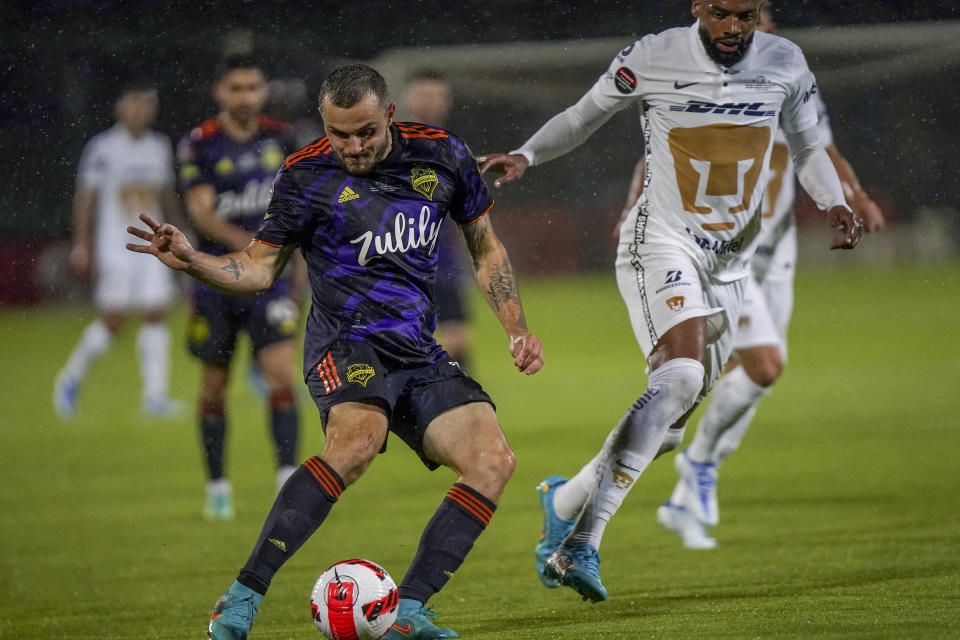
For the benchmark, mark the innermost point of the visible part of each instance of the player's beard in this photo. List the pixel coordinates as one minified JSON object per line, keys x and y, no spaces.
{"x":725,"y":58}
{"x":364,"y":163}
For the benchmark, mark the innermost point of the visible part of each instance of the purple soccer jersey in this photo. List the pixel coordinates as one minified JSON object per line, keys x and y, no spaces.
{"x":370,"y":241}
{"x":241,"y":173}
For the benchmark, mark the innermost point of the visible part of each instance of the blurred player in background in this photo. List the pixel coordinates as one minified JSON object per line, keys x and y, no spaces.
{"x":760,"y":342}
{"x":124,"y":171}
{"x":227,"y":165}
{"x":365,"y":205}
{"x":713,"y":96}
{"x":428,"y":99}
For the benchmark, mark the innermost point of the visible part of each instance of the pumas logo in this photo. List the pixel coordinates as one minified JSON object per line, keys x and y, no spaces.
{"x":347,"y":195}
{"x":751,"y":109}
{"x":360,"y":373}
{"x":424,"y":179}
{"x":622,"y":479}
{"x":407,"y":234}
{"x":675,"y":303}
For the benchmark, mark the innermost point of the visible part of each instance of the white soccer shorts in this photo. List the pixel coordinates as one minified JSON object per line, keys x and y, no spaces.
{"x":662,"y":286}
{"x":132,"y":282}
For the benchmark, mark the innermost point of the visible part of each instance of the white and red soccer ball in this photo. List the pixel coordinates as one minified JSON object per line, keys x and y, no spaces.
{"x":354,"y":600}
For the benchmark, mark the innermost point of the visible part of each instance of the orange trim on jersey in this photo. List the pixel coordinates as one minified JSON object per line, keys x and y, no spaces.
{"x":269,"y":244}
{"x":432,"y":136}
{"x":416,"y":131}
{"x":320,"y":147}
{"x":419,"y":127}
{"x":482,"y":214}
{"x":273,"y":124}
{"x":206,"y":129}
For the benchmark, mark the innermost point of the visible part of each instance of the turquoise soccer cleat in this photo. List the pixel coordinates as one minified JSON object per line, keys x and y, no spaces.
{"x":415,"y":622}
{"x":555,"y":528}
{"x":219,"y":504}
{"x":233,"y":613}
{"x":577,"y":567}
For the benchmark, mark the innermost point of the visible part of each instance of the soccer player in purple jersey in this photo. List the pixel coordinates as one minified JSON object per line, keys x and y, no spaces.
{"x":365,"y":205}
{"x":227,"y":166}
{"x":428,"y":99}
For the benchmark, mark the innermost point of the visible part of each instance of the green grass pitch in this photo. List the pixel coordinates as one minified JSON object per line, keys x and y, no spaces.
{"x":840,"y":514}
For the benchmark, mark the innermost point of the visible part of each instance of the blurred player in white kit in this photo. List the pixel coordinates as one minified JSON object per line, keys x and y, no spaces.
{"x":713,"y":96}
{"x":124,"y":171}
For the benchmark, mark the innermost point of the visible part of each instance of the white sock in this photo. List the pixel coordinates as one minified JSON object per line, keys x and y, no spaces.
{"x":672,"y":440}
{"x":729,"y":440}
{"x":153,"y":346}
{"x":94,"y":341}
{"x":671,"y":391}
{"x":568,"y":500}
{"x":733,"y":396}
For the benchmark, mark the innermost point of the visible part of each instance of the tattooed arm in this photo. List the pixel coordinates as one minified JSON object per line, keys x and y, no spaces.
{"x":499,"y":285}
{"x":250,"y":271}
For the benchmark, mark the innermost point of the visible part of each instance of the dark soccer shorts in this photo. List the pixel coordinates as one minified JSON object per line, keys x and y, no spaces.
{"x":218,"y":317}
{"x":351,"y":371}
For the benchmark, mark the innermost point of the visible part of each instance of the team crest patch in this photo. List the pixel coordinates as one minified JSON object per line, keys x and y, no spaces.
{"x":425,"y":180}
{"x":360,"y":373}
{"x":347,"y":194}
{"x":675,"y":303}
{"x":622,"y":479}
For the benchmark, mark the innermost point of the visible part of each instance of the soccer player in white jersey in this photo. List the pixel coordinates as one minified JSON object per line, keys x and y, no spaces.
{"x":713,"y":97}
{"x":124,"y":171}
{"x":760,"y":342}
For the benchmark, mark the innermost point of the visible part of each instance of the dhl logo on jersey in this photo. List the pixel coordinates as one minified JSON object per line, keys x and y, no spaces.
{"x":749,"y":109}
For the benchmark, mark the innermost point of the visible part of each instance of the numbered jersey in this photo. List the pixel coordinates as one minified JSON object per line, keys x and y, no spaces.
{"x":708,"y":131}
{"x":127,"y":174}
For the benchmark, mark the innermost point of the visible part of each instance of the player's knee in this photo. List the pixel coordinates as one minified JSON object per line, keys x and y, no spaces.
{"x":682,"y":378}
{"x":490,"y":469}
{"x":765,"y":371}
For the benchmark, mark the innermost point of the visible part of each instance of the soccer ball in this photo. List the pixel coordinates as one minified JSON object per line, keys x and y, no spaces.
{"x":354,"y":600}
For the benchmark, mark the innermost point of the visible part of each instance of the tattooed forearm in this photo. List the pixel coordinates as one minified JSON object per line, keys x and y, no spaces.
{"x":475,"y":235}
{"x":503,"y":287}
{"x":234,"y":267}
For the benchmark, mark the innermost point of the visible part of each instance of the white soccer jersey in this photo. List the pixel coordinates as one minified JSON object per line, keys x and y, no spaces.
{"x":777,"y":210}
{"x":127,"y":175}
{"x":708,"y":132}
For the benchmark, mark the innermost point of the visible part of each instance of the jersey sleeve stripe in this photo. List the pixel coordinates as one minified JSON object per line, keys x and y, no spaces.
{"x":318,"y":147}
{"x":486,"y":211}
{"x":269,"y":244}
{"x":432,"y":136}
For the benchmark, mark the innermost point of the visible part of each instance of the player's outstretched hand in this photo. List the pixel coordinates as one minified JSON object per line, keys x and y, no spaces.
{"x":849,"y":224}
{"x":527,"y":352}
{"x":869,"y":212}
{"x":167,"y":243}
{"x":513,"y":166}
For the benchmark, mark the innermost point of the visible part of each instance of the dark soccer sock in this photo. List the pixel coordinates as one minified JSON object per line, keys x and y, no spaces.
{"x":285,"y":424}
{"x":446,"y":541}
{"x":301,"y":506}
{"x":213,"y":434}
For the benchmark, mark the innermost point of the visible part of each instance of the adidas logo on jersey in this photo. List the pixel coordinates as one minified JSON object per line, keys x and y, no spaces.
{"x":347,"y":194}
